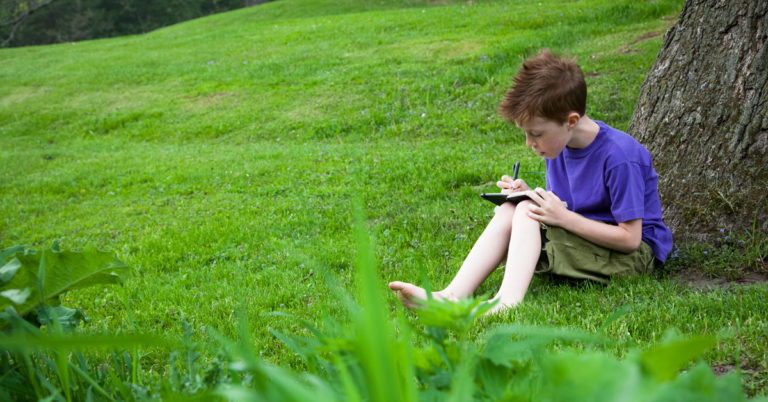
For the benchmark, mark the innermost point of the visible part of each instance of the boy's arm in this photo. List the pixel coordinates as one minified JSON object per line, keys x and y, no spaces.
{"x":626,"y":237}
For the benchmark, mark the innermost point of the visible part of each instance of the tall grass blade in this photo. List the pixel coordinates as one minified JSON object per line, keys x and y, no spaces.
{"x":270,"y":382}
{"x":25,"y":343}
{"x":84,"y":375}
{"x":375,"y":338}
{"x":350,"y":392}
{"x":615,"y":316}
{"x":40,"y":279}
{"x":334,"y":286}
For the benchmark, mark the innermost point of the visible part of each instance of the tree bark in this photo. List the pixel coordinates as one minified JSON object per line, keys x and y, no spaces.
{"x":703,"y":114}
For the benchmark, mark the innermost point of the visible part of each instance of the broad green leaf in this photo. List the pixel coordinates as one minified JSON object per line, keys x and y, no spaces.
{"x":517,"y":343}
{"x":496,"y":381}
{"x":19,"y":324}
{"x":68,"y":318}
{"x":62,"y":271}
{"x":700,"y":384}
{"x":72,"y":270}
{"x":587,"y":376}
{"x":9,"y":270}
{"x":23,"y":278}
{"x":456,"y":315}
{"x":17,"y":296}
{"x":665,"y":361}
{"x":502,"y":350}
{"x":7,"y":253}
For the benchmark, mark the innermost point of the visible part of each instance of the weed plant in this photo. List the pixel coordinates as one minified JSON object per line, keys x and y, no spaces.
{"x":369,"y":356}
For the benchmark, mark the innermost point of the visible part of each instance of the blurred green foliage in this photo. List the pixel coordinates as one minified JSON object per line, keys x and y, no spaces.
{"x":60,"y":21}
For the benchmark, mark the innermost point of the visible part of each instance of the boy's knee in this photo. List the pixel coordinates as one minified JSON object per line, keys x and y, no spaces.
{"x":523,"y":207}
{"x":504,"y":213}
{"x":506,"y":209}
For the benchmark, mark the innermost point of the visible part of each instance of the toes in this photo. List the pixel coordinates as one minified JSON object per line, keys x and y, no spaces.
{"x":404,"y":299}
{"x":411,"y":296}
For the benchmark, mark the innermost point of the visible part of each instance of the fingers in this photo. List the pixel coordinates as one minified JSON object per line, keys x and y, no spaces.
{"x":548,"y":209}
{"x":533,"y":215}
{"x":519,"y":185}
{"x":535,"y":195}
{"x":544,"y":194}
{"x":506,"y":186}
{"x":506,"y":183}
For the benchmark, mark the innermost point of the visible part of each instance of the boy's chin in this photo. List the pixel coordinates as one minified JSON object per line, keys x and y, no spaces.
{"x":550,"y":155}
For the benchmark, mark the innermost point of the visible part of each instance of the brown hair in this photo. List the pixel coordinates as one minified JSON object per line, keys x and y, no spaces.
{"x":545,"y":86}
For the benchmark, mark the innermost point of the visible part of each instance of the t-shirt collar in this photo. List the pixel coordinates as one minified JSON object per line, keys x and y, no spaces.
{"x":583,"y":152}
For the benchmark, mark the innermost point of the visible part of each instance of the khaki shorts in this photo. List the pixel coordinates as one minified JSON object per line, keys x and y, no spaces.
{"x":564,"y":253}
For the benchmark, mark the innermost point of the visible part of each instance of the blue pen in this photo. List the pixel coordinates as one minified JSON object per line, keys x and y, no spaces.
{"x":515,"y":170}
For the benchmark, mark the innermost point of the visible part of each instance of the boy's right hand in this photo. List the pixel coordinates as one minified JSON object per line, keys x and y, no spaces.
{"x":509,"y":186}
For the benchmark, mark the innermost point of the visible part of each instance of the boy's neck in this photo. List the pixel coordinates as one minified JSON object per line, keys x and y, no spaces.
{"x":583,"y":133}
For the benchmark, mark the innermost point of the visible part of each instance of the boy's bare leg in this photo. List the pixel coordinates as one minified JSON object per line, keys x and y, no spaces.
{"x":523,"y":254}
{"x":485,"y":256}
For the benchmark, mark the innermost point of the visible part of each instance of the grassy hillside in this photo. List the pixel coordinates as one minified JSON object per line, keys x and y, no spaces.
{"x":218,"y":158}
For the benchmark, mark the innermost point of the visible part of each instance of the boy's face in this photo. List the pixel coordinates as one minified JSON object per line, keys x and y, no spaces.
{"x":546,"y":137}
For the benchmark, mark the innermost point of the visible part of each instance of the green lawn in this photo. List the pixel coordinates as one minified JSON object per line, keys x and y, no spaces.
{"x":219,"y":159}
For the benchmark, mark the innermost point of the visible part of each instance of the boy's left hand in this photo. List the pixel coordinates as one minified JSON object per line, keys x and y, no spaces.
{"x":550,"y":210}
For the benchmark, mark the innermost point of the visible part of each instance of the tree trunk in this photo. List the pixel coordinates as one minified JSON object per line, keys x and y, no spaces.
{"x":703,"y":114}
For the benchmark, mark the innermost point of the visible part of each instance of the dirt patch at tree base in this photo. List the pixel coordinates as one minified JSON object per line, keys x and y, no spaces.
{"x":697,"y":279}
{"x":722,"y":369}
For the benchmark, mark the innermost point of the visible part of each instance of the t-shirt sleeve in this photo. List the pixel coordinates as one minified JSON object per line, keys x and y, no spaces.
{"x":627,"y":191}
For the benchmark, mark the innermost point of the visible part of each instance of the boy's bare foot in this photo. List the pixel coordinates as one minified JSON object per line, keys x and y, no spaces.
{"x":413,"y":296}
{"x":499,"y":307}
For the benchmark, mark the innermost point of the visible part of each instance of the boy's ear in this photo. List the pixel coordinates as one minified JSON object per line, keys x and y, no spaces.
{"x":573,"y":119}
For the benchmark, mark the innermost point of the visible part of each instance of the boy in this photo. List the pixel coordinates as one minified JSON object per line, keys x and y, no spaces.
{"x":612,"y":222}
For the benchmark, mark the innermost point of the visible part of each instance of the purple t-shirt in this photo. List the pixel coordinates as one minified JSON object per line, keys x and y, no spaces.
{"x":612,"y":180}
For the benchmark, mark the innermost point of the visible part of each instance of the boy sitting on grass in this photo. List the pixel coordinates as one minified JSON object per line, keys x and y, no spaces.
{"x":610,"y":223}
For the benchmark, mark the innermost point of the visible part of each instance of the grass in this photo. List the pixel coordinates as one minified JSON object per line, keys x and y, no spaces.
{"x":218,"y":158}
